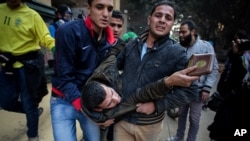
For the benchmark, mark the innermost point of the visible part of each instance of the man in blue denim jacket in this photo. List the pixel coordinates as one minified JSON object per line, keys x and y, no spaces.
{"x":194,"y":45}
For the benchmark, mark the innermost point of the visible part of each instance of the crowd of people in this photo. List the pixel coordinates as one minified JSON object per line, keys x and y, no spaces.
{"x":118,"y":87}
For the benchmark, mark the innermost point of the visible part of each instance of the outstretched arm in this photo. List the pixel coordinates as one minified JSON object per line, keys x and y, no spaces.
{"x":153,"y":91}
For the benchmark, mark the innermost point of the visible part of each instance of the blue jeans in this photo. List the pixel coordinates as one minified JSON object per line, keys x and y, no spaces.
{"x":194,"y":109}
{"x":13,"y":87}
{"x":64,"y":116}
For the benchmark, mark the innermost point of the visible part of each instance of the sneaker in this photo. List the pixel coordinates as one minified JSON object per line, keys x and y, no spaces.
{"x":175,"y":138}
{"x":40,"y":111}
{"x":33,"y":139}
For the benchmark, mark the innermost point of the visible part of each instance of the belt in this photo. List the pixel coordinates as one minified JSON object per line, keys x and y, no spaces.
{"x":55,"y":95}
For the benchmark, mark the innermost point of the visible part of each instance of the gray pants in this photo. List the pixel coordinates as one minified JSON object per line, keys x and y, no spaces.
{"x":194,"y":109}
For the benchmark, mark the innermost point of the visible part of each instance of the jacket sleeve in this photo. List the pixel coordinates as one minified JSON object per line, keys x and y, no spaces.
{"x":101,"y":72}
{"x":65,"y":61}
{"x":179,"y":95}
{"x":42,"y":32}
{"x":210,"y":78}
{"x":107,"y":71}
{"x":153,"y":91}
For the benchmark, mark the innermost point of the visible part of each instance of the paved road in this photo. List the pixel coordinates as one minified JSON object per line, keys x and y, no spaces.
{"x":13,"y":125}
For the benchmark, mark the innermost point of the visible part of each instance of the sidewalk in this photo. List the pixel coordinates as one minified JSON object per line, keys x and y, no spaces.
{"x":13,"y":125}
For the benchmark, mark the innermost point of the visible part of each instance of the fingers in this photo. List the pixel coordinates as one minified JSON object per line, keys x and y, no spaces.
{"x":205,"y":96}
{"x":107,"y":122}
{"x":189,"y":69}
{"x":138,"y":104}
{"x":193,"y":78}
{"x":146,"y":108}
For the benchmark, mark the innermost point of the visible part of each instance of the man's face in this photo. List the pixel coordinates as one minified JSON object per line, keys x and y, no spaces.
{"x":67,"y":17}
{"x":161,"y":21}
{"x":185,"y":36}
{"x":111,"y":100}
{"x":100,"y":12}
{"x":116,"y":25}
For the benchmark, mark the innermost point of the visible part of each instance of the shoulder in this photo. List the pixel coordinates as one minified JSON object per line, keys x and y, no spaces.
{"x":75,"y":31}
{"x":73,"y":26}
{"x":203,"y":46}
{"x":3,"y":5}
{"x":203,"y":42}
{"x":208,"y":46}
{"x":133,"y":42}
{"x":175,"y":45}
{"x":26,"y":8}
{"x":206,"y":43}
{"x":4,"y":9}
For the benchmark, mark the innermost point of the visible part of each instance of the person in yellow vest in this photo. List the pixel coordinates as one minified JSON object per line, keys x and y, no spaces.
{"x":22,"y":78}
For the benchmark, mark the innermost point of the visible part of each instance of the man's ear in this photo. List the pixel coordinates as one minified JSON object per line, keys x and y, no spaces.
{"x":149,"y":20}
{"x":97,"y":109}
{"x":193,"y":32}
{"x":88,"y":9}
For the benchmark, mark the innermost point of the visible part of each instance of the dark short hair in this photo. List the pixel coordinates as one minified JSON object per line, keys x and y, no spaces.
{"x":117,"y":14}
{"x":164,"y":2}
{"x":93,"y":94}
{"x":191,"y":25}
{"x":63,"y":8}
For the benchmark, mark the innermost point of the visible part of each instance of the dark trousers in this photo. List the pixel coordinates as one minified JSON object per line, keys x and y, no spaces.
{"x":110,"y":132}
{"x":231,"y":115}
{"x":15,"y":97}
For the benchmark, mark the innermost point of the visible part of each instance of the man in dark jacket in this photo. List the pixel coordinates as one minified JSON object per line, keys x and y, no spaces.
{"x":147,"y":59}
{"x":163,"y":57}
{"x":102,"y":91}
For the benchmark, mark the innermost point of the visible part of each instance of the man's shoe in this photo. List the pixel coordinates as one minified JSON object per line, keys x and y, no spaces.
{"x":33,"y":139}
{"x":40,"y":111}
{"x":175,"y":138}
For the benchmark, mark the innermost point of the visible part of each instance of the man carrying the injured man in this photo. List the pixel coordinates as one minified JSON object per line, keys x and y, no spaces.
{"x":102,"y":98}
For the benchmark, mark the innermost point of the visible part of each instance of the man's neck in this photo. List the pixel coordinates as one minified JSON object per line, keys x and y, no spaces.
{"x":192,"y":41}
{"x":150,"y":41}
{"x":98,"y":31}
{"x":15,"y":6}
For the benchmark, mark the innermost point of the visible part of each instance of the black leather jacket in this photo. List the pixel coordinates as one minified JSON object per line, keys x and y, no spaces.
{"x":107,"y":73}
{"x":163,"y":59}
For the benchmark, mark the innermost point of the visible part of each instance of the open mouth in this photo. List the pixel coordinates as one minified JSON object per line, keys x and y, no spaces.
{"x":160,"y":28}
{"x":104,"y":22}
